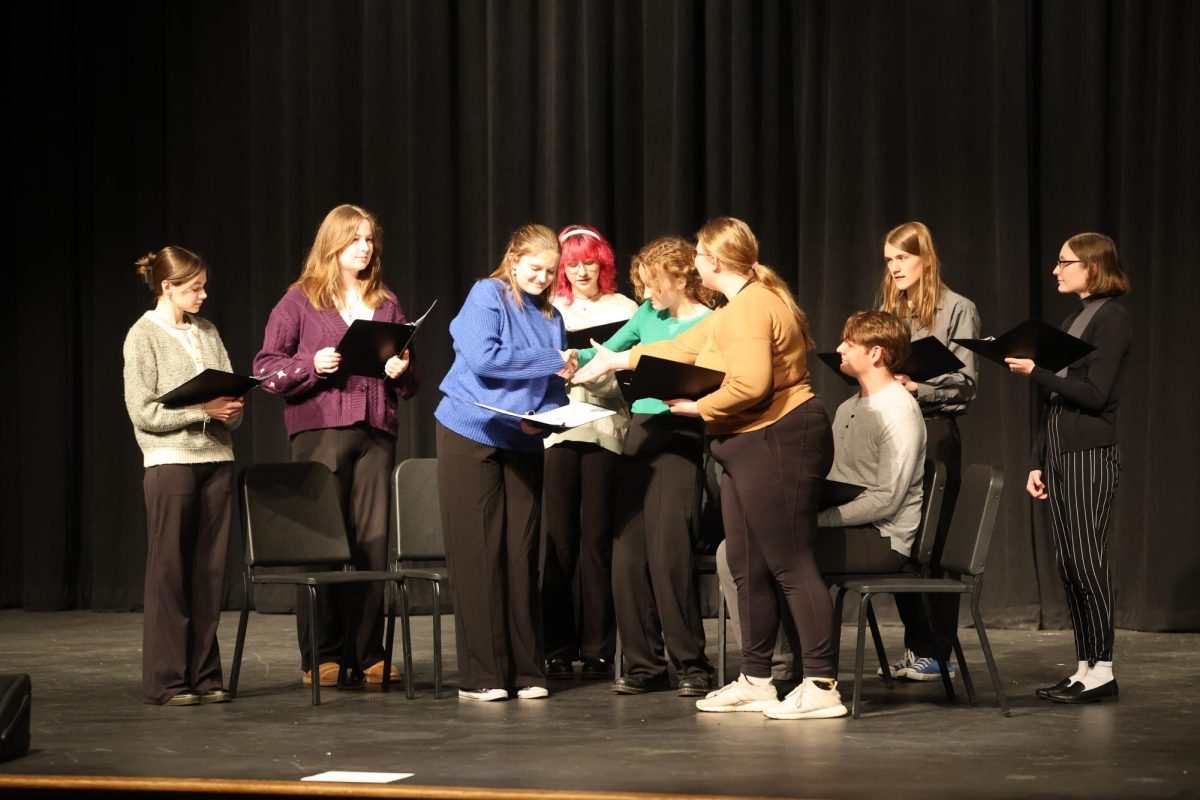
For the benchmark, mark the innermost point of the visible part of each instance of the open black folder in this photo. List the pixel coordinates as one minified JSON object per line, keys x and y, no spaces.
{"x":929,"y":359}
{"x":582,"y":338}
{"x":667,"y":380}
{"x":836,"y":493}
{"x":369,"y":343}
{"x":1046,"y":345}
{"x":208,"y":385}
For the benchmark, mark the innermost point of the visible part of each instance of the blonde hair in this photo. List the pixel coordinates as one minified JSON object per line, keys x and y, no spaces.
{"x":674,"y":258}
{"x":321,"y":277}
{"x":916,"y":240}
{"x":175,"y":265}
{"x":527,"y":240}
{"x":733,"y":243}
{"x":1106,"y":276}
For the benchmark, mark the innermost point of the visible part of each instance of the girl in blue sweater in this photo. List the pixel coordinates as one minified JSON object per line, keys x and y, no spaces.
{"x":509,"y":352}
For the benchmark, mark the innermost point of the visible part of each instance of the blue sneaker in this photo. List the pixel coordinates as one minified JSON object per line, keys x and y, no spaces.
{"x":926,"y":669}
{"x":899,"y":668}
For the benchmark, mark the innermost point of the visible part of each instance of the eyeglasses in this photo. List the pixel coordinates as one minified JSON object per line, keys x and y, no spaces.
{"x":582,"y":266}
{"x":1062,"y":263}
{"x":698,"y":254}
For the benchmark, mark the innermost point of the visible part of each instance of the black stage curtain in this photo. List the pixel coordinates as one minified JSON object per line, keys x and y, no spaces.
{"x":231,"y":128}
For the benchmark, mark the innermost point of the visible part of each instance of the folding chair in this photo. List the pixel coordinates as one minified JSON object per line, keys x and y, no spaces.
{"x":292,"y":517}
{"x":419,"y":539}
{"x":966,"y":550}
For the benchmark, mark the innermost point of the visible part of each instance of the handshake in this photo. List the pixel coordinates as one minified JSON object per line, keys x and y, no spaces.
{"x":570,"y":364}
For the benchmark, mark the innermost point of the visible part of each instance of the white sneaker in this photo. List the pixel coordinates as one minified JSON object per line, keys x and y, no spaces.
{"x":899,"y":668}
{"x":486,"y":695}
{"x":533,"y":693}
{"x":741,"y":695}
{"x":809,"y":701}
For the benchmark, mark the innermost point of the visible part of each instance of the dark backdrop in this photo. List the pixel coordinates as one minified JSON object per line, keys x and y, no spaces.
{"x":231,"y":128}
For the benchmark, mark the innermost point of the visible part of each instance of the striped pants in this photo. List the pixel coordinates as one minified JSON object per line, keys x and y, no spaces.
{"x":1081,"y":487}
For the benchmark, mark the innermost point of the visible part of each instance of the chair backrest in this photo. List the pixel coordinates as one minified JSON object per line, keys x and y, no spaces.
{"x":934,"y":486}
{"x":974,"y":518}
{"x":292,"y":515}
{"x":417,"y":510}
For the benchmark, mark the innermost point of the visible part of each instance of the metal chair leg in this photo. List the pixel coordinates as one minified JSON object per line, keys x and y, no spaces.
{"x":864,"y":605}
{"x":618,"y":659}
{"x":880,"y":653}
{"x":987,"y":655}
{"x":388,"y":648}
{"x":406,"y":640}
{"x":313,"y":654}
{"x":966,"y":672}
{"x":838,"y":604}
{"x":437,"y":640}
{"x":929,"y":629}
{"x":239,"y":645}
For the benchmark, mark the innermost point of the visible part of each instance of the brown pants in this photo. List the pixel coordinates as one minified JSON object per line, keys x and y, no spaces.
{"x":491,"y":516}
{"x":189,"y":508}
{"x":361,"y":459}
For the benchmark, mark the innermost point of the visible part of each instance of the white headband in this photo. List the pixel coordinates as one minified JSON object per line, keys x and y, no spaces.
{"x":578,"y":232}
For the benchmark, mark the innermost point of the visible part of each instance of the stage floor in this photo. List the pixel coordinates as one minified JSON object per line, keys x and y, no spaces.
{"x":88,"y":721}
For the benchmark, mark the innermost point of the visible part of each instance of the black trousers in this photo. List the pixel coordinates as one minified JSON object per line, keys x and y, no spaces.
{"x":577,"y":507}
{"x":943,"y":442}
{"x":655,"y":585}
{"x":1082,"y":486}
{"x":491,"y":512}
{"x":189,"y":509}
{"x":361,"y":460}
{"x":769,"y":499}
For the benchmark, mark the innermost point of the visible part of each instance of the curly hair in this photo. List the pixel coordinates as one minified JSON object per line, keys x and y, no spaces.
{"x":670,"y":257}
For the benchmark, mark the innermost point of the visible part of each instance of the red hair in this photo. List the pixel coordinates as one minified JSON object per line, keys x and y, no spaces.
{"x":579,"y":247}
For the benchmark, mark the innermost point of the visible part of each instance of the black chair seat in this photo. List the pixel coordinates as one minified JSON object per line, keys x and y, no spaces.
{"x":327,"y":578}
{"x":896,"y":585}
{"x":425,"y":574}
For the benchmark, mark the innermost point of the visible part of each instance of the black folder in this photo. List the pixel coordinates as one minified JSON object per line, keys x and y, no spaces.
{"x":369,"y":343}
{"x":582,"y":338}
{"x":929,"y":359}
{"x":208,"y":385}
{"x":1048,"y":346}
{"x":667,"y":380}
{"x":836,"y":493}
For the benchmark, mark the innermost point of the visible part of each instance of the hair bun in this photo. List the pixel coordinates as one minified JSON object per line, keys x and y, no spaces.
{"x":145,"y":266}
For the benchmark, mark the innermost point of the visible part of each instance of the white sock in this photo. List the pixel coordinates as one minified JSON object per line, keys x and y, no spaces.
{"x":1080,"y":671}
{"x":1098,"y":675}
{"x":758,"y":681}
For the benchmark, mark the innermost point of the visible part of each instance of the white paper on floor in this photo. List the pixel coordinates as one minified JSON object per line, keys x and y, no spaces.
{"x":339,"y":776}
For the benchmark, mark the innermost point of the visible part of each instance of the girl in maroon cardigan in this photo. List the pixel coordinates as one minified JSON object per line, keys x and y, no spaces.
{"x":346,"y":422}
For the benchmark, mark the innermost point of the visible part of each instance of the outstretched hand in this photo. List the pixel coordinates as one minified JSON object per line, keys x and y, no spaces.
{"x":604,"y":362}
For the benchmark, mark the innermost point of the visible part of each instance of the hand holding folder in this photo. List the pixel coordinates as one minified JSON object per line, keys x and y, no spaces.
{"x":208,"y":385}
{"x":1046,"y":345}
{"x":369,"y":343}
{"x":929,"y":359}
{"x":668,"y":380}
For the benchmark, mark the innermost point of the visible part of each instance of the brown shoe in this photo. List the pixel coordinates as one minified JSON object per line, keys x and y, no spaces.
{"x":374,"y":673}
{"x":328,"y":672}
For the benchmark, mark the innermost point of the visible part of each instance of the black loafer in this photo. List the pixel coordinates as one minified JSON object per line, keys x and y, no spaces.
{"x":1075,"y":693}
{"x":217,"y":695}
{"x":596,"y":669}
{"x":633,"y":684}
{"x":559,"y":669}
{"x":694,"y":686}
{"x":1044,"y":692}
{"x":185,"y":698}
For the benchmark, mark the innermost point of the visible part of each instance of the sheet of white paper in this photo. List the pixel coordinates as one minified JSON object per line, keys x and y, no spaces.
{"x":571,"y":415}
{"x":339,"y":776}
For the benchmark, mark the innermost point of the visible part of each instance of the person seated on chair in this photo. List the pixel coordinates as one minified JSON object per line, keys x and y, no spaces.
{"x":879,"y":443}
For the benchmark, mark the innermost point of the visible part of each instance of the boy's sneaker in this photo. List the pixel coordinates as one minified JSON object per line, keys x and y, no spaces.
{"x":926,"y":669}
{"x":810,"y":700}
{"x":898,"y":668}
{"x":741,"y":695}
{"x":486,"y":695}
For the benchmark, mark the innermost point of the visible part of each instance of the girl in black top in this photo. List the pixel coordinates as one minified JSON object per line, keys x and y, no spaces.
{"x":1076,"y":460}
